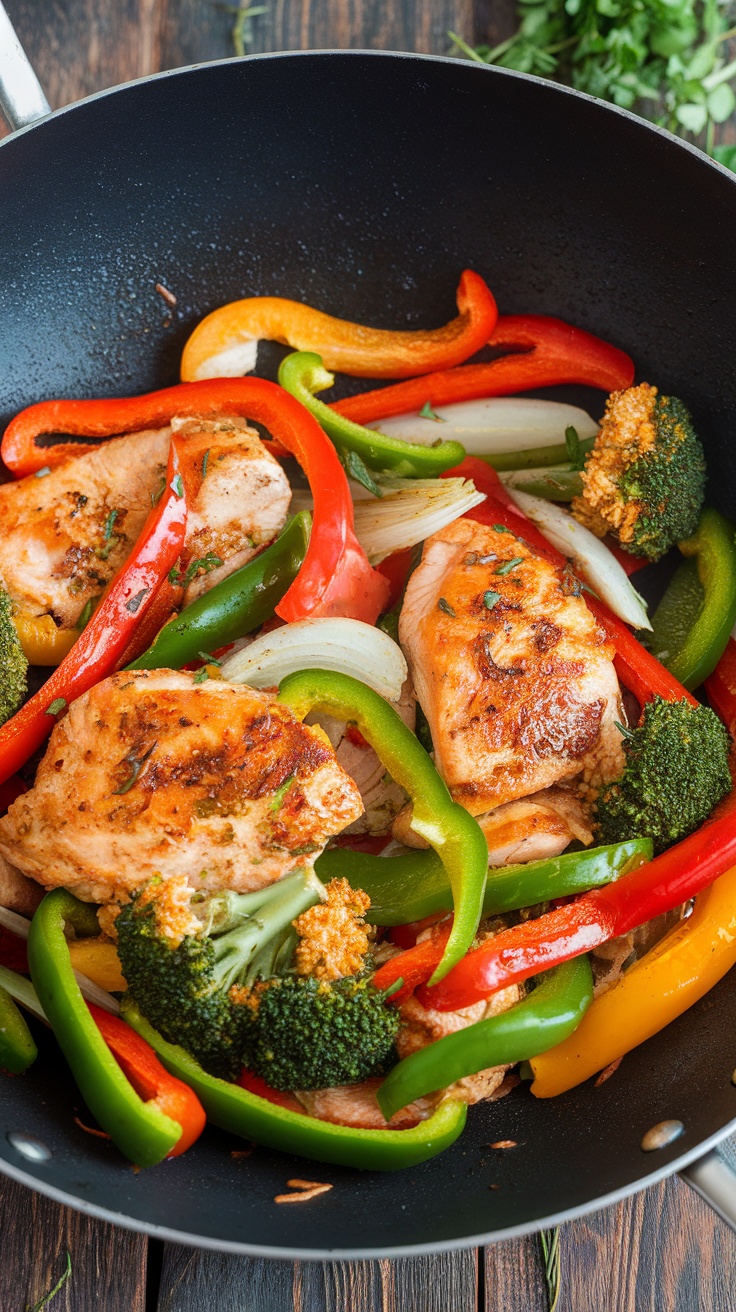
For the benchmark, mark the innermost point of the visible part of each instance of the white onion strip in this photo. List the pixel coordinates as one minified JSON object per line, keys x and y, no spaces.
{"x":410,"y":510}
{"x":346,"y":646}
{"x":591,"y":557}
{"x":20,"y":926}
{"x":492,"y":426}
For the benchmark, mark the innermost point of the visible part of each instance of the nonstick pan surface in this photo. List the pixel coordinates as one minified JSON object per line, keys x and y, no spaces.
{"x":363,"y":184}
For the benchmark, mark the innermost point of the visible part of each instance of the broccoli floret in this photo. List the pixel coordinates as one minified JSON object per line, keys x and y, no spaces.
{"x":311,"y":1034}
{"x":191,"y":974}
{"x":676,"y":771}
{"x":644,"y":480}
{"x":13,"y":663}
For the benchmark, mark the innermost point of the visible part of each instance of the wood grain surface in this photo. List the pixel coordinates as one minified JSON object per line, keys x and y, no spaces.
{"x":662,"y":1251}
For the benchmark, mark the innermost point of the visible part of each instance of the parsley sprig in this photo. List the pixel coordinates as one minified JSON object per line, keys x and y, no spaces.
{"x":665,"y":59}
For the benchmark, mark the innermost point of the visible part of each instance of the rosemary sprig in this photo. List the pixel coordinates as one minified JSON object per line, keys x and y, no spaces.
{"x":46,"y":1298}
{"x":549,"y":1241}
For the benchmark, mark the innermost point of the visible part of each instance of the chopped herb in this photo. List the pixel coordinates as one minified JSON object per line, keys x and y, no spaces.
{"x":500,"y":528}
{"x":136,"y":764}
{"x":202,"y":675}
{"x":508,"y":565}
{"x":357,"y":469}
{"x":446,"y":607}
{"x":135,"y":601}
{"x":205,"y":462}
{"x":203,"y":565}
{"x":158,"y":491}
{"x":57,"y":706}
{"x":110,"y":523}
{"x":211,"y":660}
{"x":572,"y":442}
{"x":278,"y":798}
{"x":87,"y":612}
{"x":102,"y":553}
{"x":41,"y":473}
{"x":46,"y":1298}
{"x":550,"y":1244}
{"x":177,"y":486}
{"x":622,"y":729}
{"x":427,"y":412}
{"x":305,"y":849}
{"x":490,"y":599}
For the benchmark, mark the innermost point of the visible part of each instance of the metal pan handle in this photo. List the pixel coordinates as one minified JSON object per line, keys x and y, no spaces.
{"x":21,"y":96}
{"x":714,"y":1178}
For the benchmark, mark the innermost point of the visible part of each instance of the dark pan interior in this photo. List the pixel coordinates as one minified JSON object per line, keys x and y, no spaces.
{"x":364,"y":183}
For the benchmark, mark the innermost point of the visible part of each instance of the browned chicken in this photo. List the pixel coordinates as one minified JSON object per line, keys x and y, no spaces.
{"x":513,"y":674}
{"x":65,"y":534}
{"x":152,"y":773}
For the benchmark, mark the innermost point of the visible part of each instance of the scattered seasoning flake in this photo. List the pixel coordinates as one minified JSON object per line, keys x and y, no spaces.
{"x":57,"y":706}
{"x":508,"y":565}
{"x":504,"y":1143}
{"x":158,"y":491}
{"x":165,"y":294}
{"x":202,"y":675}
{"x":205,"y":462}
{"x":486,"y":560}
{"x":99,"y":1134}
{"x":136,"y":764}
{"x":134,"y":602}
{"x":500,"y":528}
{"x":46,"y":1298}
{"x":304,"y":1195}
{"x":607,"y":1072}
{"x":177,"y":485}
{"x":427,"y":412}
{"x":41,"y":473}
{"x":446,"y":607}
{"x":109,"y":524}
{"x":490,"y":599}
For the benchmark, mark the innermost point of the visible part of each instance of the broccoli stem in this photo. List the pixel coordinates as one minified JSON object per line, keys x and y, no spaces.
{"x":261,"y":923}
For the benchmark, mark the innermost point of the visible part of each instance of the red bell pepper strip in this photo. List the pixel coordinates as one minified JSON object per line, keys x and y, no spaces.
{"x":254,"y":1084}
{"x":550,"y":352}
{"x":150,"y":1079}
{"x":636,"y":668}
{"x":335,"y":578}
{"x":415,"y":966}
{"x":721,"y":687}
{"x":98,"y":649}
{"x":629,"y":564}
{"x":605,"y":913}
{"x":9,"y":790}
{"x":13,"y":952}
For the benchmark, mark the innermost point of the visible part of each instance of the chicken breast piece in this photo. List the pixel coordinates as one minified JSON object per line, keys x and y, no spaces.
{"x":65,"y":535}
{"x":511,"y":670}
{"x":151,"y":773}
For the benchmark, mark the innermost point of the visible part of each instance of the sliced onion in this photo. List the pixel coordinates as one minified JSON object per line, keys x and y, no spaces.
{"x":494,"y":425}
{"x":21,"y":990}
{"x":347,"y":646}
{"x":410,"y":510}
{"x":591,"y":557}
{"x":20,"y":926}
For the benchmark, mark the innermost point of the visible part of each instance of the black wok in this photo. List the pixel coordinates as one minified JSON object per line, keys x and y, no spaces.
{"x":363,"y":183}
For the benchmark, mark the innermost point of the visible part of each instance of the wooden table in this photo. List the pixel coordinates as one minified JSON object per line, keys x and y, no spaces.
{"x":661,"y":1251}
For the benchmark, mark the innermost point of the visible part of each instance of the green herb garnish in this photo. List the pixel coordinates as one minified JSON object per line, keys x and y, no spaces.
{"x":56,"y":707}
{"x":508,"y":565}
{"x":427,"y":412}
{"x":446,"y":607}
{"x":490,"y":599}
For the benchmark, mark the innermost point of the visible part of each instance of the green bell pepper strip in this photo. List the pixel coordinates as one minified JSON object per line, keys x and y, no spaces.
{"x":235,"y":1109}
{"x":302,"y":374}
{"x":534,"y":457}
{"x":139,"y":1129}
{"x":409,"y":887}
{"x":17,"y":1049}
{"x":233,"y":607}
{"x":551,"y":484}
{"x":545,"y":1018}
{"x":453,"y":833}
{"x":692,"y":623}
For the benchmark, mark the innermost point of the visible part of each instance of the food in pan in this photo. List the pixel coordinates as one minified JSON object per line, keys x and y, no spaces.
{"x":354,"y":799}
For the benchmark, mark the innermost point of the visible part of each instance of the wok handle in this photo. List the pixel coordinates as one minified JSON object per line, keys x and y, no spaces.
{"x":714,"y":1178}
{"x":21,"y":96}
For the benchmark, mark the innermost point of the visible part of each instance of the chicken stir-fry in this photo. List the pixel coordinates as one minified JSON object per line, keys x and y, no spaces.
{"x":68,"y":531}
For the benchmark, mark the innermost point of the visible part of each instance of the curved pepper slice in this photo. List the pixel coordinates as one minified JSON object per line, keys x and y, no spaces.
{"x":410,"y":887}
{"x":141,"y":1130}
{"x":43,"y":642}
{"x":17,"y":1048}
{"x":721,"y":687}
{"x":234,"y":606}
{"x":663,"y":884}
{"x":97,"y":650}
{"x":453,"y":833}
{"x":546,"y":352}
{"x":225,"y":343}
{"x":691,"y":625}
{"x":235,"y":1109}
{"x":544,"y":1019}
{"x":671,"y":977}
{"x":303,"y":374}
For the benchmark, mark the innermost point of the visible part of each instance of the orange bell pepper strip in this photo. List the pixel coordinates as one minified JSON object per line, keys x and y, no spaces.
{"x":672,"y":976}
{"x":150,"y":1079}
{"x":98,"y":648}
{"x":546,"y":352}
{"x":226,"y":341}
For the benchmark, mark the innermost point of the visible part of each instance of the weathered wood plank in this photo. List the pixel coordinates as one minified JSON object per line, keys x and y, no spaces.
{"x":108,"y":1265}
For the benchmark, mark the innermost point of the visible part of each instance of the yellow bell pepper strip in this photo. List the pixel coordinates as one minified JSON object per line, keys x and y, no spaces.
{"x":140,"y":1129}
{"x":414,"y":885}
{"x":43,"y":642}
{"x":453,"y":833}
{"x":551,"y":1012}
{"x":225,"y":343}
{"x":303,"y":374}
{"x":235,"y":1109}
{"x":671,"y":977}
{"x":692,"y":624}
{"x":97,"y":958}
{"x":97,"y":650}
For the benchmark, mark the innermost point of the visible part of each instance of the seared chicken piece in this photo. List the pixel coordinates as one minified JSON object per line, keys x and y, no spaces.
{"x":356,"y":1105}
{"x":529,"y":829}
{"x":511,"y":670}
{"x":18,"y":893}
{"x":152,"y":773}
{"x":65,"y":534}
